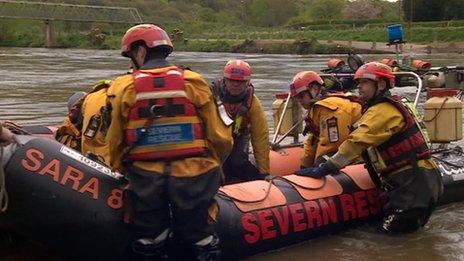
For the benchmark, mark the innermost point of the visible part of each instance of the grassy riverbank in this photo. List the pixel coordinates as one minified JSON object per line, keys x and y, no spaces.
{"x":219,"y":38}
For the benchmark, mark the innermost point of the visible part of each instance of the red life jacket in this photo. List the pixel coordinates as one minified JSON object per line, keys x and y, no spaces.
{"x":163,"y":123}
{"x":408,"y":145}
{"x":311,"y":126}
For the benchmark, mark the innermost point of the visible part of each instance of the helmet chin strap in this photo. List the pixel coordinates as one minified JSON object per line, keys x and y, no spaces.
{"x":316,"y":96}
{"x":131,"y":55}
{"x":377,"y":96}
{"x":134,"y":61}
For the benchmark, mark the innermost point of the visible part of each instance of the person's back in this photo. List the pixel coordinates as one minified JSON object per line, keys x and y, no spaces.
{"x":236,"y":93}
{"x":197,"y":92}
{"x":166,"y":135}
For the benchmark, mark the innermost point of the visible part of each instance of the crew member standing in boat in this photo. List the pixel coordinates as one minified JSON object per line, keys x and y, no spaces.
{"x":6,"y":136}
{"x":329,"y":119}
{"x":241,"y":108}
{"x":394,"y":144}
{"x":167,"y":135}
{"x":87,"y":123}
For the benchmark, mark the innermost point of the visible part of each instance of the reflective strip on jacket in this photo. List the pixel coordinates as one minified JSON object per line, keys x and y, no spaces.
{"x":218,"y":136}
{"x":334,"y":117}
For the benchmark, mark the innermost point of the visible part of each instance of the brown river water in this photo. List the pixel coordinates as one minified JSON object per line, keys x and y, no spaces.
{"x":36,"y":83}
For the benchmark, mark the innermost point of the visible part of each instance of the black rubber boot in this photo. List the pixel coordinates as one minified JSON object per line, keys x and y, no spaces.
{"x":145,"y":249}
{"x":209,"y":252}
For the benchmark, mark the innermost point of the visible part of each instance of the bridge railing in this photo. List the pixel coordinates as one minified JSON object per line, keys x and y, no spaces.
{"x":68,"y":12}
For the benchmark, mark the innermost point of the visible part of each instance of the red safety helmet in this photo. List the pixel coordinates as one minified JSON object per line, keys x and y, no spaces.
{"x":390,"y":62}
{"x":375,"y":71}
{"x":302,"y":80}
{"x":151,"y":35}
{"x":237,"y":70}
{"x":335,"y":63}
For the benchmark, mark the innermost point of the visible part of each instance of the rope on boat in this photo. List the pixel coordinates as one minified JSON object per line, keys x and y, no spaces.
{"x":3,"y":192}
{"x":268,"y":190}
{"x":15,"y":127}
{"x":438,"y":112}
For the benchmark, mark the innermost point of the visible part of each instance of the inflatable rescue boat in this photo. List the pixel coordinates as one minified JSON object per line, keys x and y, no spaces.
{"x":74,"y":205}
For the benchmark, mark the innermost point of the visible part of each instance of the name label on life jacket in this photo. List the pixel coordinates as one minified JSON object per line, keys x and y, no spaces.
{"x":165,"y":134}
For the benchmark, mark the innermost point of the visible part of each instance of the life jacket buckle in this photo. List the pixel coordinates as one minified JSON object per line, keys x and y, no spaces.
{"x":156,"y":111}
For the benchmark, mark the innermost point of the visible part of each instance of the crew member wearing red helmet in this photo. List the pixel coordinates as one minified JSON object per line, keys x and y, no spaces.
{"x":168,"y":138}
{"x":243,"y":110}
{"x":329,"y":119}
{"x":393,"y":142}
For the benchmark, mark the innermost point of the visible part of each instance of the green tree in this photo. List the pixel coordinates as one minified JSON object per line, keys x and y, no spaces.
{"x":327,"y":9}
{"x":361,"y":9}
{"x":454,"y":9}
{"x":270,"y":12}
{"x":425,"y":10}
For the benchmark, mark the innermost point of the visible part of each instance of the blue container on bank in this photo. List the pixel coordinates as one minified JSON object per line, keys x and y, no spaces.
{"x":395,"y":34}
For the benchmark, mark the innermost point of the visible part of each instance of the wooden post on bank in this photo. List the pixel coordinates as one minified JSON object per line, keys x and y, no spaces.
{"x":49,"y":34}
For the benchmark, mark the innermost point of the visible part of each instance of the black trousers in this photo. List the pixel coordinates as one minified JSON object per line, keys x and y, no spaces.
{"x":238,"y":168}
{"x":410,"y":198}
{"x":160,"y":201}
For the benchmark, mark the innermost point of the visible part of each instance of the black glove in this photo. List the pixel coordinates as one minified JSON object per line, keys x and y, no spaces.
{"x":318,"y":172}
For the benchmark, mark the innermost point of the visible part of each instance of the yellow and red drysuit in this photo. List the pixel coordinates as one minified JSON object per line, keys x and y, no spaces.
{"x":393,"y":142}
{"x":171,"y":184}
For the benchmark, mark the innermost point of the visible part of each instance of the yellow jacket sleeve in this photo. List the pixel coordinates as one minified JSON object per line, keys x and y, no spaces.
{"x":68,"y":134}
{"x":378,"y":124}
{"x":259,"y":135}
{"x":309,"y":152}
{"x":218,"y":135}
{"x":121,"y":95}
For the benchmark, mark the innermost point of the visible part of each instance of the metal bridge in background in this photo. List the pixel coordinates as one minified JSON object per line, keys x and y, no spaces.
{"x":49,"y":12}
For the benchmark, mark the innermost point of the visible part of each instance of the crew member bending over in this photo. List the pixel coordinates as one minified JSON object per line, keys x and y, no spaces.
{"x":330,"y":116}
